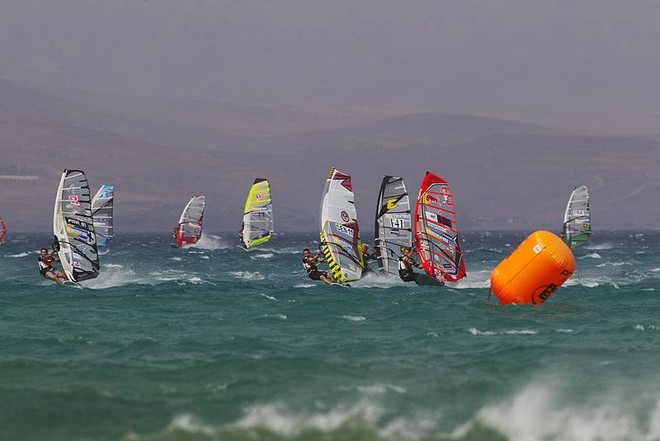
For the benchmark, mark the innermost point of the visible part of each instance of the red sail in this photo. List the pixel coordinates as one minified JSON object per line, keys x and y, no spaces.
{"x":436,"y":233}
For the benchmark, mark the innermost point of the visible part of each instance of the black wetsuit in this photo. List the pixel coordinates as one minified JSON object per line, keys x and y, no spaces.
{"x":405,"y":269}
{"x":312,"y":270}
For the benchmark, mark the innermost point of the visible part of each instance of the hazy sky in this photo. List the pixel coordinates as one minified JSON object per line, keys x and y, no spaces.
{"x":580,"y":63}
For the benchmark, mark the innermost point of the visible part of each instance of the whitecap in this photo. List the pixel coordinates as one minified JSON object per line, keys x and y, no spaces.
{"x":355,"y":318}
{"x":24,"y":254}
{"x":209,"y":243}
{"x":599,"y":246}
{"x":277,"y":316}
{"x":262,"y":256}
{"x":247,"y":275}
{"x":521,"y":332}
{"x":475,"y":331}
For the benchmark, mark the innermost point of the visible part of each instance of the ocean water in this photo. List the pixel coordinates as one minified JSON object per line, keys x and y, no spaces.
{"x":214,"y":343}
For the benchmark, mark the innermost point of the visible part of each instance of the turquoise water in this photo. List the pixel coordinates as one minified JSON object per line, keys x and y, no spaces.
{"x":213,"y":343}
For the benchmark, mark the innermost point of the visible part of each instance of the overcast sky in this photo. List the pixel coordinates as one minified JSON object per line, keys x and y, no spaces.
{"x":578,"y":63}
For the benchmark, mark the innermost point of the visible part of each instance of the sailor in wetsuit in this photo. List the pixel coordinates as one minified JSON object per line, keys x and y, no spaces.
{"x":366,"y":257}
{"x":309,"y":263}
{"x":406,"y":262}
{"x":46,"y":266}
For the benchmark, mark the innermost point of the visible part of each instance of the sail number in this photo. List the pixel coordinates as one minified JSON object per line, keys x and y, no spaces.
{"x":398,"y":223}
{"x":344,"y":229}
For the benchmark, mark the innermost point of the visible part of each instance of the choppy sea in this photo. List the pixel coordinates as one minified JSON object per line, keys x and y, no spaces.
{"x":214,"y":343}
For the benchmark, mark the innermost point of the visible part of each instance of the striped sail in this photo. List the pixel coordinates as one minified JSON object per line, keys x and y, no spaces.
{"x":393,"y":223}
{"x":189,"y":229}
{"x":73,"y":227}
{"x":577,"y":217}
{"x":102,"y":210}
{"x":3,"y":230}
{"x":436,"y":231}
{"x":258,"y":214}
{"x":340,"y":235}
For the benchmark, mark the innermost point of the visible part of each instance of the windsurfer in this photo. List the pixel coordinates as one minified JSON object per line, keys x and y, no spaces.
{"x":240,"y":232}
{"x":366,"y":257}
{"x":309,"y":263}
{"x":406,"y":263}
{"x":46,"y":266}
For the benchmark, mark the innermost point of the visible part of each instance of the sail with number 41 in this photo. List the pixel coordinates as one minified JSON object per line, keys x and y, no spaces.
{"x":393,"y":223}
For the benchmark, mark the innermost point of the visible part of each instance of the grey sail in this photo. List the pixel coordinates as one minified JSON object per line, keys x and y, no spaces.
{"x":393,"y":223}
{"x":73,"y":227}
{"x":577,"y":217}
{"x":102,"y":209}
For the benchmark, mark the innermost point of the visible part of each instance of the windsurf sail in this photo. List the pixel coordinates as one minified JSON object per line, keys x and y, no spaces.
{"x":102,"y":206}
{"x":189,"y":229}
{"x":340,"y":235}
{"x":393,"y":223}
{"x":436,"y":232}
{"x":258,"y":214}
{"x":577,"y":218}
{"x":3,"y":230}
{"x":73,"y":227}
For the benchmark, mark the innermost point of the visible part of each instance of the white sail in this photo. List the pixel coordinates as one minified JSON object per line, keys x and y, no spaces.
{"x":102,"y":212}
{"x":340,"y":235}
{"x":189,"y":229}
{"x":577,"y":217}
{"x":393,"y":223}
{"x":73,"y":227}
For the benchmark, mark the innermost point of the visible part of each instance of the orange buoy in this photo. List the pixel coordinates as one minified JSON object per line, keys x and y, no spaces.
{"x":533,"y":271}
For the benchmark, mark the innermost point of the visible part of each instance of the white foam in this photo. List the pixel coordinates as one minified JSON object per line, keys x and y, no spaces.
{"x":521,"y":332}
{"x":262,"y":256}
{"x":277,"y":316}
{"x":591,"y":256}
{"x":377,"y":389}
{"x":474,"y":279}
{"x":305,"y":285}
{"x":601,"y":265}
{"x":268,"y":297}
{"x":247,"y":275}
{"x":177,"y":259}
{"x":355,"y":318}
{"x":24,"y":254}
{"x":599,"y":246}
{"x":279,"y":419}
{"x":538,"y":412}
{"x":475,"y":331}
{"x":209,"y":243}
{"x":378,"y":280}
